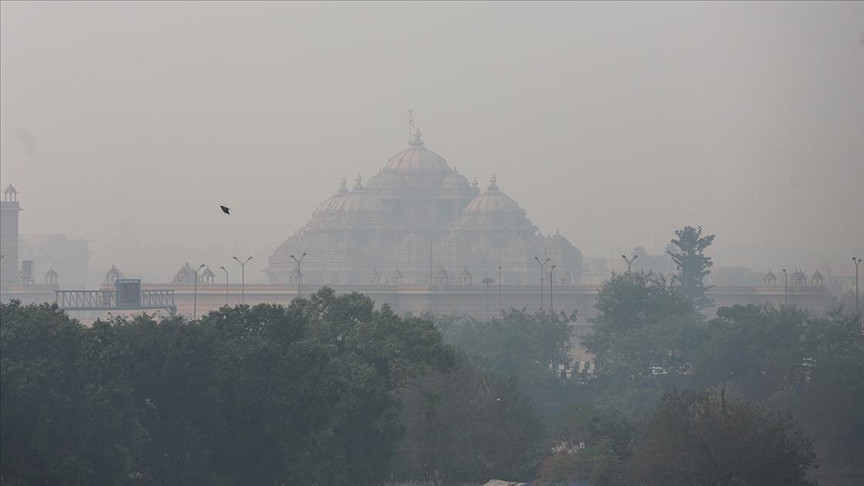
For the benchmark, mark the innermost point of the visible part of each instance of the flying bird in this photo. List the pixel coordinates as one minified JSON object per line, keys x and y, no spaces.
{"x":226,"y":210}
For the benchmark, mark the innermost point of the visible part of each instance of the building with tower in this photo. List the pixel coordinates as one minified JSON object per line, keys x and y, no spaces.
{"x":9,"y":208}
{"x":420,"y":222}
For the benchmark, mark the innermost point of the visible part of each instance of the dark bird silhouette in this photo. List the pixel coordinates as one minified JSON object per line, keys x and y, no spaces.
{"x":225,"y":210}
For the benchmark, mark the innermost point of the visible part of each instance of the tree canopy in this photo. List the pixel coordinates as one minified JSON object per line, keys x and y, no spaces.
{"x":693,"y":266}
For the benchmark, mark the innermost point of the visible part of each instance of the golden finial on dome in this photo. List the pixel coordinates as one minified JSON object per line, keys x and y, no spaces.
{"x":358,"y":186}
{"x":492,"y":183}
{"x":410,"y":123}
{"x":418,"y":137}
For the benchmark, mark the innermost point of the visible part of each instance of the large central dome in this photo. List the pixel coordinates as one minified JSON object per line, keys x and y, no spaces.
{"x":417,"y":159}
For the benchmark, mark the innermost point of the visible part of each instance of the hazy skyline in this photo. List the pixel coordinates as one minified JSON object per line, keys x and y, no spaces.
{"x":128,"y":124}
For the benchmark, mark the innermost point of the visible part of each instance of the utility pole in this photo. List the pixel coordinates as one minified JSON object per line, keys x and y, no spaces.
{"x":542,"y":264}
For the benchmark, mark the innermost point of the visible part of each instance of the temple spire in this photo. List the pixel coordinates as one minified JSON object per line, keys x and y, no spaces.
{"x":410,"y":124}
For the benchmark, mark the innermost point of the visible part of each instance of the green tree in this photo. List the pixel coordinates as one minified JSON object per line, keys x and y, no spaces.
{"x":692,"y":264}
{"x":644,"y":329}
{"x":829,"y":401}
{"x":709,"y":438}
{"x":59,"y":427}
{"x":758,"y":348}
{"x":526,"y":346}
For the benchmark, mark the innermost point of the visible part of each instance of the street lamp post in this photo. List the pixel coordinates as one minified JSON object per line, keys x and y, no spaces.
{"x":195,"y":294}
{"x":629,"y":261}
{"x":500,"y":291}
{"x":487,"y":281}
{"x":785,"y":287}
{"x":551,"y":306}
{"x":856,"y":261}
{"x":242,"y":278}
{"x":299,"y":273}
{"x":226,"y":283}
{"x":542,"y":264}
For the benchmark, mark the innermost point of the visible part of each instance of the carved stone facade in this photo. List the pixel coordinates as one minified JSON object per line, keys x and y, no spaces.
{"x":418,"y":221}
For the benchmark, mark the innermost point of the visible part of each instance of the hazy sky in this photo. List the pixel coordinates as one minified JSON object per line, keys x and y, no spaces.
{"x":615,"y":123}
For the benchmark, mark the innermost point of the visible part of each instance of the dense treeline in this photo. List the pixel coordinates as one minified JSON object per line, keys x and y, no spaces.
{"x":796,"y":379}
{"x":265,"y":395}
{"x":330,"y":390}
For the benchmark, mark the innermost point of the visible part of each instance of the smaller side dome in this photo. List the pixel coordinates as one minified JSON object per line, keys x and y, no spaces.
{"x":493,"y":201}
{"x":456,"y":185}
{"x":817,"y":278}
{"x":386,"y":179}
{"x":332,"y":202}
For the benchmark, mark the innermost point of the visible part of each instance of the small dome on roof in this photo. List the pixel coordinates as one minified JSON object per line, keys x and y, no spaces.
{"x":332,"y":202}
{"x":386,"y":179}
{"x":207,"y":273}
{"x":10,"y":190}
{"x":493,"y":201}
{"x":494,"y":210}
{"x":51,"y":272}
{"x":817,"y":277}
{"x":360,"y":201}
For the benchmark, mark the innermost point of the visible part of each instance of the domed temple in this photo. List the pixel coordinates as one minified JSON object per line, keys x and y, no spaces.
{"x":419,"y":222}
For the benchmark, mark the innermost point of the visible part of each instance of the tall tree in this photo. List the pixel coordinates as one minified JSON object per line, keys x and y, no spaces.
{"x":692,"y":264}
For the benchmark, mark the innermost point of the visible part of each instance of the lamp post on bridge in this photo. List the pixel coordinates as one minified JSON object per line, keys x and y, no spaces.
{"x":629,"y":261}
{"x":242,"y":278}
{"x":487,"y":281}
{"x":856,"y":261}
{"x":542,"y":264}
{"x":195,"y":294}
{"x":500,"y":291}
{"x":785,"y":288}
{"x":299,"y":273}
{"x":226,"y":283}
{"x":551,"y":306}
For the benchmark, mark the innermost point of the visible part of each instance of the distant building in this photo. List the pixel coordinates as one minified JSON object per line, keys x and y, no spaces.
{"x":9,"y":208}
{"x":418,"y":221}
{"x":68,"y":258}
